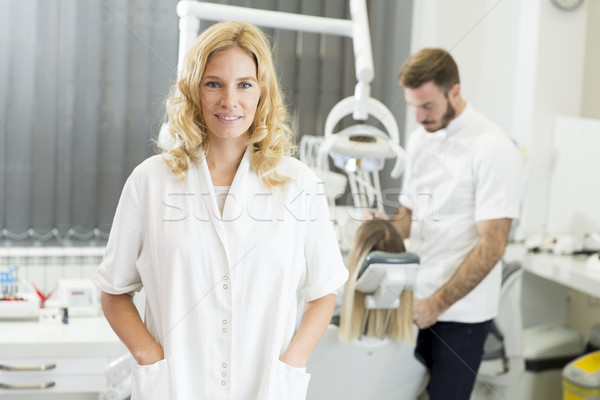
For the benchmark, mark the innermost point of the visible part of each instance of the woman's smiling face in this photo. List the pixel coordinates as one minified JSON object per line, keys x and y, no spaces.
{"x":229,"y":92}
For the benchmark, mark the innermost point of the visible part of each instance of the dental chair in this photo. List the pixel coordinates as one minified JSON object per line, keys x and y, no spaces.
{"x":370,"y":367}
{"x":503,"y":361}
{"x":118,"y":376}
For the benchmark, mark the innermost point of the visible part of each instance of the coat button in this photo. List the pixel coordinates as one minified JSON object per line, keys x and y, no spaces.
{"x":225,"y":286}
{"x":223,"y":383}
{"x":224,"y":365}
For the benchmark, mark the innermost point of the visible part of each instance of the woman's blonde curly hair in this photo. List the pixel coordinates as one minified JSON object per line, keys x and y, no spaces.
{"x":270,"y":137}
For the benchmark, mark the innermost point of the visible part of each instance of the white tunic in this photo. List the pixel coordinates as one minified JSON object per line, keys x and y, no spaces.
{"x":222,"y":292}
{"x":456,"y":177}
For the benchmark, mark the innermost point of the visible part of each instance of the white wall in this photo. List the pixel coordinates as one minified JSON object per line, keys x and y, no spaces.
{"x":591,"y":77}
{"x":521,"y":64}
{"x":574,"y":192}
{"x":477,"y":35}
{"x":558,"y":91}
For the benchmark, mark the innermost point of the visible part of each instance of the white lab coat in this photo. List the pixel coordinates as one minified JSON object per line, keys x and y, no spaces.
{"x":222,"y":292}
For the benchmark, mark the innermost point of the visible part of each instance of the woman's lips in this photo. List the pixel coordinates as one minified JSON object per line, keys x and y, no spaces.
{"x":228,"y":118}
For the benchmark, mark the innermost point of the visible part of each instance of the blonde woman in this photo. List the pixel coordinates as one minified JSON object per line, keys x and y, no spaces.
{"x":374,"y":235}
{"x":227,"y":234}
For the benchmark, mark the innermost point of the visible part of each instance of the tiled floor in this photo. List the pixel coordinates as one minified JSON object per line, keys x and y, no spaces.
{"x":487,"y":392}
{"x":482,"y":392}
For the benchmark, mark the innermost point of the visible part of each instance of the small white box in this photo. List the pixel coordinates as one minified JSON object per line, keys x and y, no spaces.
{"x":51,"y":315}
{"x":80,"y":296}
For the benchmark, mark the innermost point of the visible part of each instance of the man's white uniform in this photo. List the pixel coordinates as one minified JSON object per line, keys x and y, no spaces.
{"x":456,"y":177}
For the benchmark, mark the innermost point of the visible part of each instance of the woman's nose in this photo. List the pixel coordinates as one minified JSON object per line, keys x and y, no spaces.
{"x":229,"y":98}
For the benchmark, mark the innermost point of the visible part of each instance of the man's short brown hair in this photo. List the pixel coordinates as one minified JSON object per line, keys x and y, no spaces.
{"x":428,"y":65}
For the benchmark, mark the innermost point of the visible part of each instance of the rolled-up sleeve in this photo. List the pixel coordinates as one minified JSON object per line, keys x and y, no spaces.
{"x":117,"y":274}
{"x":325,"y":267}
{"x":497,"y":169}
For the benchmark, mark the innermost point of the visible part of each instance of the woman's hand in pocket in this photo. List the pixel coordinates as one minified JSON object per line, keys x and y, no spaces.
{"x":150,"y":355}
{"x":287,"y":382}
{"x":293,"y":359}
{"x":153,"y":382}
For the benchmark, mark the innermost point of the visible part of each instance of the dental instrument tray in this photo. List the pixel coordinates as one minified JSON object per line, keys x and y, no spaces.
{"x":17,"y":300}
{"x":23,"y":306}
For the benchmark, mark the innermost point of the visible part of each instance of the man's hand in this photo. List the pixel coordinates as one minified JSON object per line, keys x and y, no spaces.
{"x":425,"y":312}
{"x":379,"y":214}
{"x":478,"y":263}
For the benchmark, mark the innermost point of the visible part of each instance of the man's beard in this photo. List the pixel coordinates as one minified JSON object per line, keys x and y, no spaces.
{"x":446,"y":118}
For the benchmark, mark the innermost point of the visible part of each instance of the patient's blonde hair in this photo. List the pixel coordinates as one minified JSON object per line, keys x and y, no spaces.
{"x":270,"y":137}
{"x":374,"y":235}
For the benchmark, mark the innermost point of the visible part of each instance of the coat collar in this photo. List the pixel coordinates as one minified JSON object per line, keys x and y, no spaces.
{"x":234,"y":204}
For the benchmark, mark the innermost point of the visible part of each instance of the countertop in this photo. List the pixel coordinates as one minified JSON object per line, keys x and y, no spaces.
{"x":567,"y":270}
{"x":81,"y":337}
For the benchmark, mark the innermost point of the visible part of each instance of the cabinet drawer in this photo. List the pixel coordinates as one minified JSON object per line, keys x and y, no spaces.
{"x":53,"y":384}
{"x":69,"y":365}
{"x":62,"y":375}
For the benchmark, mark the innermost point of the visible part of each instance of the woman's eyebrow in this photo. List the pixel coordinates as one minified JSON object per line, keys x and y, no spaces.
{"x":243,"y":78}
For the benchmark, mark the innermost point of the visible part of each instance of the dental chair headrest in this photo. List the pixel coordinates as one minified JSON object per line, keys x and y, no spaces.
{"x":386,"y":275}
{"x":386,"y":257}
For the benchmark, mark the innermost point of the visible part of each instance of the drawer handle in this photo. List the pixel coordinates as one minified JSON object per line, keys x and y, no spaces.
{"x":19,"y":368}
{"x":28,"y":386}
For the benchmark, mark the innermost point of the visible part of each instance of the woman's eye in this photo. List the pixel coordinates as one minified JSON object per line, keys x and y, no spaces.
{"x":212,"y":84}
{"x":245,"y":85}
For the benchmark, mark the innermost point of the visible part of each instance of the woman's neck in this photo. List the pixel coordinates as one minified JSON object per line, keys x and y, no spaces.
{"x":223,"y":159}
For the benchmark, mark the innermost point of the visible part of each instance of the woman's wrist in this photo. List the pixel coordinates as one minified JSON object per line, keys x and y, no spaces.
{"x":150,"y":355}
{"x":294,"y":360}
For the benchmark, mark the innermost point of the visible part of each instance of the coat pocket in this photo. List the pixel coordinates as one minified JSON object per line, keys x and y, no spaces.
{"x":152,"y":382}
{"x":286,"y":382}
